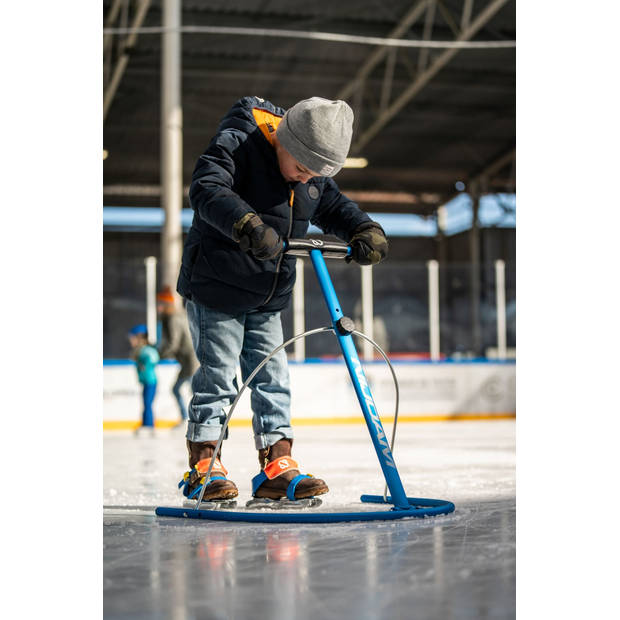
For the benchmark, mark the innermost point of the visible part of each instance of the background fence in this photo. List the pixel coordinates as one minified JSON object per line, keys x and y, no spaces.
{"x":400,"y":303}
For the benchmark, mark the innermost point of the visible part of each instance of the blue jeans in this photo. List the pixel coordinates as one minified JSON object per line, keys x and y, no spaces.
{"x":221,"y":341}
{"x":148,"y":395}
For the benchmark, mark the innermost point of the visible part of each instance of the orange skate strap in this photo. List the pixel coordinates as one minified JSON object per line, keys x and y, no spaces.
{"x":202,"y":467}
{"x":280,"y":466}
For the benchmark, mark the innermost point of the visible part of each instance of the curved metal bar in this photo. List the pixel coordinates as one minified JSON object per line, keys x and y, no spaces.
{"x":420,"y":507}
{"x":232,"y":408}
{"x":305,"y":334}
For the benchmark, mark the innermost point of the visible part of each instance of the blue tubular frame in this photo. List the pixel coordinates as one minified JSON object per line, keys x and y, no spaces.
{"x":419,"y":508}
{"x":362,"y":389}
{"x":402,"y":506}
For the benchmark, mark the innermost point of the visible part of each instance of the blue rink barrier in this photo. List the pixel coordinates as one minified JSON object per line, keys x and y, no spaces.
{"x":343,"y":327}
{"x":420,"y":508}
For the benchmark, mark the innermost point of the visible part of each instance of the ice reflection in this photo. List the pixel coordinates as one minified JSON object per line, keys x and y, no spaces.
{"x":278,"y":572}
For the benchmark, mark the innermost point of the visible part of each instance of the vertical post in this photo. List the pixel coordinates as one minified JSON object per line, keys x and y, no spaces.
{"x":299,"y":311}
{"x":474,"y":251}
{"x":442,"y":256}
{"x":433,"y":308}
{"x":171,"y":142}
{"x":500,"y":302}
{"x":151,"y":302}
{"x":368,"y":351}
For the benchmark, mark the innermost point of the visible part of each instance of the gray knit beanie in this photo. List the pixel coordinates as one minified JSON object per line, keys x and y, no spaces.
{"x":317,"y":133}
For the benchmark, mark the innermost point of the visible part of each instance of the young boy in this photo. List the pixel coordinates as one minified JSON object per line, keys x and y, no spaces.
{"x":265,"y":175}
{"x":146,"y":358}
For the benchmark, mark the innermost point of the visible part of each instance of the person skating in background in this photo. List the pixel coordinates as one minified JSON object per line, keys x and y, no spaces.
{"x":146,"y":358}
{"x":266,"y":174}
{"x":176,"y":342}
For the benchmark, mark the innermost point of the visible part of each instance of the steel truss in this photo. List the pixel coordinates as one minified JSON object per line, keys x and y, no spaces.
{"x":120,"y":10}
{"x":421,"y":74}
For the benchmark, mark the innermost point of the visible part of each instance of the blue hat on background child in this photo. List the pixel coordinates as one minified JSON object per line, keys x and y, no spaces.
{"x":136,"y":330}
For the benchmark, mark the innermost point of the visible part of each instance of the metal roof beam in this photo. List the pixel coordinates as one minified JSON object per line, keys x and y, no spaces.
{"x":426,"y":35}
{"x":121,"y":63}
{"x":448,"y":18}
{"x":386,"y":88}
{"x":468,"y":5}
{"x":379,"y":54}
{"x":481,"y":179}
{"x":109,"y":20}
{"x":424,"y":78}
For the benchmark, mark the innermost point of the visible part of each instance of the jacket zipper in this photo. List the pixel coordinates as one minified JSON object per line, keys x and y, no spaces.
{"x":281,"y":257}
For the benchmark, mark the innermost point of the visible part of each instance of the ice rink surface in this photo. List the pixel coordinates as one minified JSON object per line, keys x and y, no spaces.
{"x":461,"y":565}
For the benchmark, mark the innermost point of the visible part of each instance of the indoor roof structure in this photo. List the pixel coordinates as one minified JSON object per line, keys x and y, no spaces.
{"x":431,"y":82}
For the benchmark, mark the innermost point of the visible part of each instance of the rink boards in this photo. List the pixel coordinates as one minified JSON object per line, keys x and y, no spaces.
{"x":322,"y":392}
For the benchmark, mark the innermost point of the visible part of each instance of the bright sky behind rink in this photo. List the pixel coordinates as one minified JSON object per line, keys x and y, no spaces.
{"x":496,"y":210}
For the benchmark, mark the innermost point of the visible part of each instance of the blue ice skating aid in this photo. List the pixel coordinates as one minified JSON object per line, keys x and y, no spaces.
{"x":343,"y":327}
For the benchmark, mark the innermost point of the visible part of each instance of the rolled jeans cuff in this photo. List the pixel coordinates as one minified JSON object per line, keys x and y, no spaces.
{"x":204,"y":432}
{"x":264,"y":440}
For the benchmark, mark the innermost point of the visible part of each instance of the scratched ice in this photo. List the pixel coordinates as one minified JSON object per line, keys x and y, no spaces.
{"x":457,"y":566}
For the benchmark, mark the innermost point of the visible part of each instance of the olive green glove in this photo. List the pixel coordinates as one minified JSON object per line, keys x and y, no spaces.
{"x":252,"y":234}
{"x":369,"y":245}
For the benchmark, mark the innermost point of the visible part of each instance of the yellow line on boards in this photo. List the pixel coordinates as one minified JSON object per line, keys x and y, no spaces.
{"x":117,"y":425}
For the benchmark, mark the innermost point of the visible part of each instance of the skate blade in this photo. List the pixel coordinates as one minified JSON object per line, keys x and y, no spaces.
{"x":215,"y":504}
{"x":283,"y":504}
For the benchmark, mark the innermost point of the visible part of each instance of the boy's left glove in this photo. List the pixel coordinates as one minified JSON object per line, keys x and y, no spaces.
{"x":368,"y":244}
{"x":253,"y":234}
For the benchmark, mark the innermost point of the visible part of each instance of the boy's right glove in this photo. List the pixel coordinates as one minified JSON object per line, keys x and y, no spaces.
{"x":368,"y":244}
{"x":252,"y":234}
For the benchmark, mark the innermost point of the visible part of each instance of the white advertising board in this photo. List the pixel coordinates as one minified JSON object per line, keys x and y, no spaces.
{"x":324,"y":392}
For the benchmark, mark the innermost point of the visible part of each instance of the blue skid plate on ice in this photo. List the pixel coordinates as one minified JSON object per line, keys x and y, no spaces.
{"x":419,"y":508}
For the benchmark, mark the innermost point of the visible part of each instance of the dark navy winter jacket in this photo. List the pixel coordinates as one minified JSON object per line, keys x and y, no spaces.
{"x":237,"y":174}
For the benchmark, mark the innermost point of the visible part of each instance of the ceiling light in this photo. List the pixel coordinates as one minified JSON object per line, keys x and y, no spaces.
{"x":377,"y":196}
{"x":105,"y":153}
{"x":355,"y":162}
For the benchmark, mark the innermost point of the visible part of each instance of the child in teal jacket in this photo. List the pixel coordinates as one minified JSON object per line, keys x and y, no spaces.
{"x":146,"y":357}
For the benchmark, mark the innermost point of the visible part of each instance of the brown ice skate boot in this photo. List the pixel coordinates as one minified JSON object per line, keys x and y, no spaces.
{"x":219,"y":488}
{"x":280,"y":477}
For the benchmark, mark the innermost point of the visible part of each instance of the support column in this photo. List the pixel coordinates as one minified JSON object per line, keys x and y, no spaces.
{"x":442,"y":259}
{"x":433,"y":309}
{"x":150,"y":263}
{"x":474,"y":252}
{"x":500,"y":303}
{"x":299,"y":322}
{"x":368,"y":351}
{"x":171,"y":144}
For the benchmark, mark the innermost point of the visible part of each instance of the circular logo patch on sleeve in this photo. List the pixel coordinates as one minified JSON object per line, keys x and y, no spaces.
{"x":313,"y":192}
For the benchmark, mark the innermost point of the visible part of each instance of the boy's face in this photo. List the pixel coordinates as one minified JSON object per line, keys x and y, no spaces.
{"x":290,"y":168}
{"x":136,"y":340}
